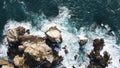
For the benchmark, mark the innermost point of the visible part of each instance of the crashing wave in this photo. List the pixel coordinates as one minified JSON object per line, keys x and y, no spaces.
{"x":70,"y":39}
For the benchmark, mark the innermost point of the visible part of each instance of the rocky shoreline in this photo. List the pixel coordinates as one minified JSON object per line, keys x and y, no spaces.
{"x":28,"y":51}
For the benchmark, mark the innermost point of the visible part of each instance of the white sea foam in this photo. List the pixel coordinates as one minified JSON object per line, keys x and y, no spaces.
{"x":70,"y":39}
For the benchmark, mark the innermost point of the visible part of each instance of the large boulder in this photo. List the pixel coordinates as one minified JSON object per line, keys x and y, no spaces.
{"x":13,"y":34}
{"x":54,"y":35}
{"x":40,"y":51}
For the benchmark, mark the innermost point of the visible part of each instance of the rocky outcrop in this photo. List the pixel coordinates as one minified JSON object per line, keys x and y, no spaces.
{"x":54,"y":35}
{"x":96,"y":59}
{"x":27,"y":49}
{"x":13,"y":34}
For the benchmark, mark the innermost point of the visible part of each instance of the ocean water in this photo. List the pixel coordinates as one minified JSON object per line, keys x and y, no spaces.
{"x":76,"y":19}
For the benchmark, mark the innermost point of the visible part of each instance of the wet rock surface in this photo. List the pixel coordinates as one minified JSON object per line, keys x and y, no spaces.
{"x":83,"y":41}
{"x":96,"y":59}
{"x":28,"y":51}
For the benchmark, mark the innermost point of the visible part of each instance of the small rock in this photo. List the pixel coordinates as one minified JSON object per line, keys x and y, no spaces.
{"x":75,"y":57}
{"x":66,"y":51}
{"x":73,"y":67}
{"x":83,"y":41}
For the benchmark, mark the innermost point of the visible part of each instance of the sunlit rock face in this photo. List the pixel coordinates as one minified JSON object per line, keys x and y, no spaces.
{"x":5,"y":64}
{"x":54,"y":34}
{"x":13,"y":34}
{"x":27,"y":49}
{"x":18,"y":61}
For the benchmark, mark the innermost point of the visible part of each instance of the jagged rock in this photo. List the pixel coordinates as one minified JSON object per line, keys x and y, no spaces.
{"x":83,"y":41}
{"x":5,"y":64}
{"x":75,"y":57}
{"x":31,"y":49}
{"x":98,"y":44}
{"x":20,"y":30}
{"x":35,"y":53}
{"x":65,"y":49}
{"x":33,"y":39}
{"x":19,"y":61}
{"x":54,"y":35}
{"x":12,"y":35}
{"x":73,"y":67}
{"x":13,"y":51}
{"x":21,"y":48}
{"x":97,"y":60}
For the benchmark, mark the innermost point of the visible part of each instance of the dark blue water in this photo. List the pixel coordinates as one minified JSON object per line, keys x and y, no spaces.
{"x":84,"y":12}
{"x":75,"y":18}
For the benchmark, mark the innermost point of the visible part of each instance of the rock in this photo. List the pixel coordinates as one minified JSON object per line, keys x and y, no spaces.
{"x":97,"y":60}
{"x":28,"y":48}
{"x":75,"y":57}
{"x":35,"y":53}
{"x":19,"y":61}
{"x":40,"y":50}
{"x":5,"y":64}
{"x":65,"y":49}
{"x":54,"y":35}
{"x":21,"y":48}
{"x":13,"y":51}
{"x":20,"y":30}
{"x":33,"y":39}
{"x":73,"y":67}
{"x":83,"y":41}
{"x":98,"y":44}
{"x":12,"y":36}
{"x":28,"y":31}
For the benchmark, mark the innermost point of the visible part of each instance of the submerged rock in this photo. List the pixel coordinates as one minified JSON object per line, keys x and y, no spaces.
{"x":54,"y":35}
